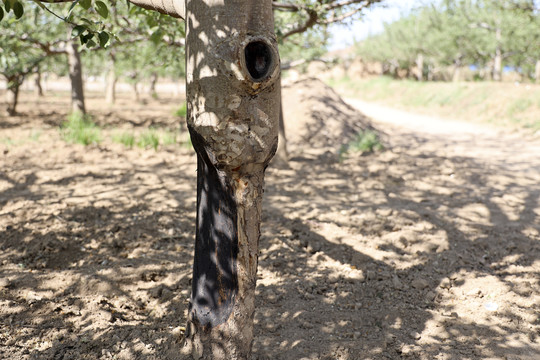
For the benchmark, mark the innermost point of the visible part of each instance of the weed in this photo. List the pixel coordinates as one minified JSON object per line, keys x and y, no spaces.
{"x":519,"y":106}
{"x":126,"y":139}
{"x":168,"y":137}
{"x":80,"y":129}
{"x":182,"y":111}
{"x":149,"y":139}
{"x":366,"y":141}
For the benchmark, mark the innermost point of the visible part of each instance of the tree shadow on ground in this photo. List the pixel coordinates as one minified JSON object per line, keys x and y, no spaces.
{"x":388,"y":256}
{"x":421,"y":230}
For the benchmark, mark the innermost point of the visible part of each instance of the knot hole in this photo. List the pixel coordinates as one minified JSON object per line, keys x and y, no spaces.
{"x":258,"y":56}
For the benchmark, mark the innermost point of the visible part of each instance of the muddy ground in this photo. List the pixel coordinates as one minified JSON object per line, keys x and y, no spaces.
{"x":429,"y":249}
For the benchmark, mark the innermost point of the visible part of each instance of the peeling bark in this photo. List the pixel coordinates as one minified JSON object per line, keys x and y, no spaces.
{"x":233,"y":102}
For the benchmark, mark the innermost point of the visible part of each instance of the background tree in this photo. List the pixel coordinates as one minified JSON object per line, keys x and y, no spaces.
{"x":457,"y":33}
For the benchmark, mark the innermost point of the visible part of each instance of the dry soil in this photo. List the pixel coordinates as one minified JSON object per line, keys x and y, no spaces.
{"x":429,"y":249}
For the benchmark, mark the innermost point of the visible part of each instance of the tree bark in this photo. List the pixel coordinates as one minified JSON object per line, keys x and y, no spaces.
{"x":75,"y":76}
{"x":497,"y":60}
{"x":456,"y":73}
{"x":233,"y":110}
{"x":537,"y":72}
{"x":110,"y":91}
{"x":281,"y":160}
{"x":135,"y":86}
{"x":153,"y":82}
{"x":420,"y":67}
{"x":38,"y":89}
{"x":12,"y":94}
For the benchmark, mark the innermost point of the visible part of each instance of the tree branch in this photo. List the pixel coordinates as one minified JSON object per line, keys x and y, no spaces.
{"x":311,"y":21}
{"x":174,"y":8}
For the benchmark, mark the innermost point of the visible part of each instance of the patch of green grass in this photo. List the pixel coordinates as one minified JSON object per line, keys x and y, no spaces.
{"x":149,"y":139}
{"x":168,"y":137}
{"x":125,"y":138}
{"x":181,"y":111}
{"x":366,"y":141}
{"x":519,"y":106}
{"x":80,"y":129}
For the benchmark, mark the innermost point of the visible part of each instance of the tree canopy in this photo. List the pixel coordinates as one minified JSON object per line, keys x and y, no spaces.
{"x":484,"y":34}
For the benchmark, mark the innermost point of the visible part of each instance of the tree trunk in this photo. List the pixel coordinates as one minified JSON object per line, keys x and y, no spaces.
{"x":75,"y":76}
{"x":38,"y":89}
{"x":497,"y":60}
{"x":110,"y":91}
{"x":233,"y":110}
{"x":537,"y":72}
{"x":12,"y":94}
{"x":281,"y":160}
{"x":456,"y":73}
{"x":420,"y":67}
{"x":153,"y":82}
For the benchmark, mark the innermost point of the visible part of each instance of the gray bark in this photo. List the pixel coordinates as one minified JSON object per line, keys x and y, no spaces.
{"x":110,"y":91}
{"x":419,"y":67}
{"x":497,"y":61}
{"x":281,"y":159}
{"x":75,"y":76}
{"x":233,"y":110}
{"x":38,"y":89}
{"x":153,"y":81}
{"x":12,"y":94}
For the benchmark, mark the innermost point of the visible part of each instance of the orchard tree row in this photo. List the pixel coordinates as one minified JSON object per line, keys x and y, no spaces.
{"x":447,"y":36}
{"x":119,"y":42}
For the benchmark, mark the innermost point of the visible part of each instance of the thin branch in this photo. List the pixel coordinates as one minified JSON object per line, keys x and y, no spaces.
{"x":311,"y":21}
{"x":286,"y":6}
{"x":174,"y":8}
{"x":337,"y":5}
{"x":341,"y":17}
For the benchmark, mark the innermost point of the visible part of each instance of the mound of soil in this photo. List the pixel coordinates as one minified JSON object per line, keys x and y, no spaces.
{"x":316,"y":117}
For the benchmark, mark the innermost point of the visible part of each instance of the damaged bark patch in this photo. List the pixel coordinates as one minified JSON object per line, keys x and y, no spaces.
{"x":215,"y":280}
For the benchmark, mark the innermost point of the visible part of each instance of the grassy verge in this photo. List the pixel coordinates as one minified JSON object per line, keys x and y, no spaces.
{"x":80,"y":129}
{"x":503,"y":104}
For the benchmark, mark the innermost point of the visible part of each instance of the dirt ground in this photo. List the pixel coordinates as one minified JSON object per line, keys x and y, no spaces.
{"x":427,"y":250}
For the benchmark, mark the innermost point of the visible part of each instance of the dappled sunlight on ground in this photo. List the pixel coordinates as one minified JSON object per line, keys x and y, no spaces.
{"x":420,"y":251}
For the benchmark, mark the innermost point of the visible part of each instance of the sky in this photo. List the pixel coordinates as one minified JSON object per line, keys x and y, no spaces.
{"x":371,"y":23}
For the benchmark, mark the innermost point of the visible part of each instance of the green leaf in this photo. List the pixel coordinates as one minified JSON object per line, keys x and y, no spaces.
{"x":78,"y":30}
{"x":103,"y":39}
{"x":89,"y":22}
{"x":102,"y":9}
{"x":91,"y":44}
{"x":7,"y":5}
{"x":18,"y":10}
{"x":156,"y":36}
{"x":85,"y":4}
{"x":1,"y":14}
{"x":86,"y":38}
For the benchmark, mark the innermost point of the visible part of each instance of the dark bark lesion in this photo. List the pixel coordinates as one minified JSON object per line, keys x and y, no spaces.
{"x":215,"y":279}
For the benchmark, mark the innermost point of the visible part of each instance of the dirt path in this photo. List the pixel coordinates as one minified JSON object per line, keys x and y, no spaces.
{"x":499,"y":147}
{"x":427,"y":250}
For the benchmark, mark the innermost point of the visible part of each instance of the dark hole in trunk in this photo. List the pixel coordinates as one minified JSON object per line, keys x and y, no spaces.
{"x":258,"y":59}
